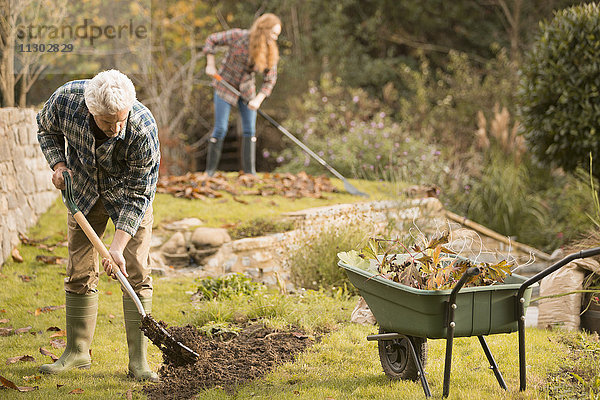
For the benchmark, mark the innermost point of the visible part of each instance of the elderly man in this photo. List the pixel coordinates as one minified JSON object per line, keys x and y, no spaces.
{"x":112,"y":154}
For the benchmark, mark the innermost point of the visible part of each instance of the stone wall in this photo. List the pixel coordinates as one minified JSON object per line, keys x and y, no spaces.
{"x":264,"y":258}
{"x":25,"y":187}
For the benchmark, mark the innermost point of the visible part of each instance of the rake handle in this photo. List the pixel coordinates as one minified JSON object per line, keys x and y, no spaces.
{"x":229,"y":86}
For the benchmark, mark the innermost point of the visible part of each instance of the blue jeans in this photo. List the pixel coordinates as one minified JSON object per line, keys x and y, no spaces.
{"x":222,"y":109}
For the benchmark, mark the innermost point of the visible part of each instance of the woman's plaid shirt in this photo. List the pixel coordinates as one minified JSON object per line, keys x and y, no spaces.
{"x":236,"y":68}
{"x":123,"y":171}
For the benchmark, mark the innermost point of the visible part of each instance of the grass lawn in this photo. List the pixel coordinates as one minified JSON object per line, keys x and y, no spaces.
{"x":342,"y":366}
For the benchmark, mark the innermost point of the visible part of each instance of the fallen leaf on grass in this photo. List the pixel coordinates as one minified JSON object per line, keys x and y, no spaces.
{"x":40,"y":310}
{"x":3,"y":310}
{"x":9,"y":384}
{"x":38,"y":243}
{"x":4,"y":321}
{"x":22,"y":330}
{"x":45,"y":352}
{"x":129,"y":395}
{"x":240,"y":200}
{"x":111,"y":316}
{"x":58,"y":343}
{"x":53,"y":328}
{"x":32,"y":378}
{"x":49,"y":259}
{"x":6,"y":331}
{"x":59,"y":385}
{"x":13,"y":360}
{"x":16,"y":256}
{"x":76,"y":391}
{"x":25,"y":278}
{"x":108,"y":293}
{"x":59,"y":334}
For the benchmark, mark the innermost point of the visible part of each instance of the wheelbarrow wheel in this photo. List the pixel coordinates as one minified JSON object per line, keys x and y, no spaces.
{"x":397,"y":360}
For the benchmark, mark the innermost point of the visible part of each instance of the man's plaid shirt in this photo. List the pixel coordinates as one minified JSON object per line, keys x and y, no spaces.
{"x":123,"y":171}
{"x":236,"y":68}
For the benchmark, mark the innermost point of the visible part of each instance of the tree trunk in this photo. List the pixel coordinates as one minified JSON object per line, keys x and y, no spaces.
{"x":7,"y":56}
{"x":7,"y":77}
{"x":24,"y":89}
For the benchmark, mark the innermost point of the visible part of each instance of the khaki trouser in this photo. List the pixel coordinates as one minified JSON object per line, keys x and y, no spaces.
{"x":83,"y":266}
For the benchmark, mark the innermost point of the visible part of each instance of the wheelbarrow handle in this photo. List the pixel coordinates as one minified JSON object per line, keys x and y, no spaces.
{"x":556,"y":266}
{"x":451,"y":305}
{"x":67,"y":195}
{"x":520,"y":304}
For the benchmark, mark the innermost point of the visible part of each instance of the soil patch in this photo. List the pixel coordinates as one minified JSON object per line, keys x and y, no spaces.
{"x":225,"y":362}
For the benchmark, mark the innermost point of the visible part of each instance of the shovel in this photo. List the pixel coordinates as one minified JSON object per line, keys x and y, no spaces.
{"x":174,"y":350}
{"x":347,"y":185}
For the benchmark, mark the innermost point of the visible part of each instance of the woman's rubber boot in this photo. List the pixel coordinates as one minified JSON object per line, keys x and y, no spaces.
{"x":81,"y":310}
{"x":136,"y":341}
{"x":249,"y":154}
{"x":213,"y":155}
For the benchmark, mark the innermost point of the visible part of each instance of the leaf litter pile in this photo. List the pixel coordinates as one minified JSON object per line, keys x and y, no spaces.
{"x":201,"y":186}
{"x":226,"y":360}
{"x":429,"y":265}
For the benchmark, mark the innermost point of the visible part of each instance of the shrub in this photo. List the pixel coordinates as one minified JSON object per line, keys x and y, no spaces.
{"x":227,"y":286}
{"x":313,"y":265}
{"x":355,"y":134}
{"x":441,"y":105}
{"x":560,"y":89}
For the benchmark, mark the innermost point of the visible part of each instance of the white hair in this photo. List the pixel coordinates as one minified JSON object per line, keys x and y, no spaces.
{"x":109,"y":92}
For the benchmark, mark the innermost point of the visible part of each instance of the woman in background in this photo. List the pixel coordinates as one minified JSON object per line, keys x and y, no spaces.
{"x":250,"y":51}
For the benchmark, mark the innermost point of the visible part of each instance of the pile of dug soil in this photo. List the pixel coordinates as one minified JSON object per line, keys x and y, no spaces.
{"x":225,"y":362}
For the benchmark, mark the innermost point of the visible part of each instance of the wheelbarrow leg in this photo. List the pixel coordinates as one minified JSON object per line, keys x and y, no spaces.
{"x":422,"y":377}
{"x":522,"y":363}
{"x":492,"y":362}
{"x":448,"y":362}
{"x":451,"y":306}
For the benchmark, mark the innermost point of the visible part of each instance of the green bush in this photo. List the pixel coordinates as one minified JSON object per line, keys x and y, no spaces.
{"x":355,"y":134}
{"x":313,"y":265}
{"x":560,"y":89}
{"x":502,"y":198}
{"x":441,"y":105}
{"x":227,"y":286}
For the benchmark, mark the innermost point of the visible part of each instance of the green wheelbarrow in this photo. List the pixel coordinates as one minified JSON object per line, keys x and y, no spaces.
{"x":407,"y":317}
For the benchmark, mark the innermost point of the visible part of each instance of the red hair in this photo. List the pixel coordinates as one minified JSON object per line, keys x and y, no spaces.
{"x":264,"y":51}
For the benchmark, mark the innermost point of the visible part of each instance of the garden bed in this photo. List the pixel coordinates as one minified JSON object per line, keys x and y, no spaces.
{"x":226,"y":360}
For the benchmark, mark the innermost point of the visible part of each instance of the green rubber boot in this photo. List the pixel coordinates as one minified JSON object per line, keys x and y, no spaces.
{"x":136,"y":341}
{"x":81,"y":310}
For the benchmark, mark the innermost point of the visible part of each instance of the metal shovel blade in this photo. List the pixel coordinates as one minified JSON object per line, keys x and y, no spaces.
{"x":175,"y":352}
